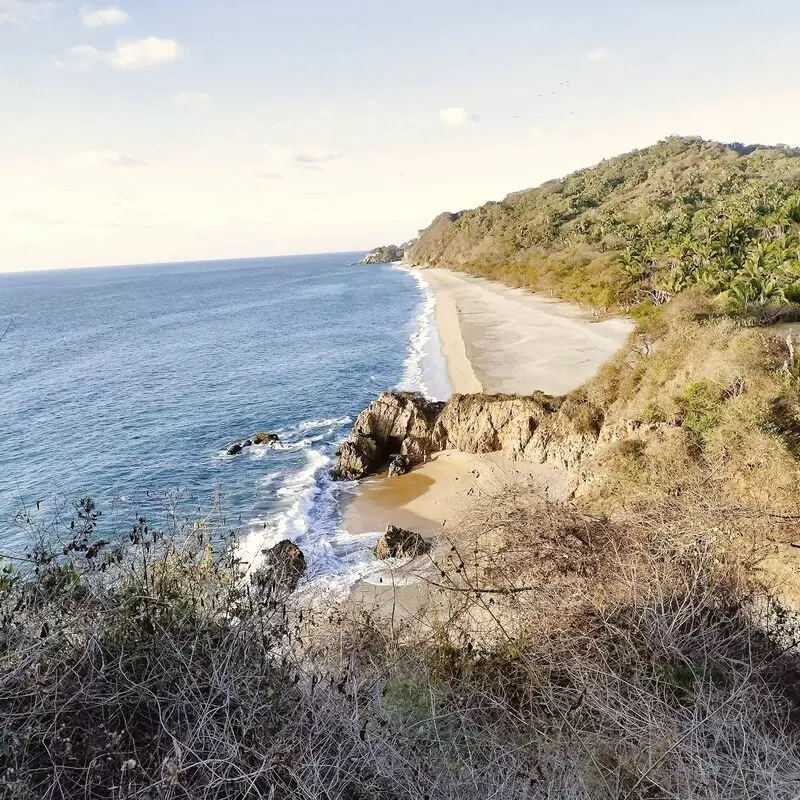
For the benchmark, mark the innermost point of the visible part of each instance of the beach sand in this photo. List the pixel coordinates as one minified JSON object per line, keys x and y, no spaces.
{"x":502,"y":340}
{"x":496,"y":340}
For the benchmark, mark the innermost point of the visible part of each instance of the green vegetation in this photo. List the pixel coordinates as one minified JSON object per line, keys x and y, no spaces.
{"x":642,"y":228}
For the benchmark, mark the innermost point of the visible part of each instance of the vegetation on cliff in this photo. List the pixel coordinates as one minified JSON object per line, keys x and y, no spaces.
{"x":627,"y":659}
{"x":641,"y":228}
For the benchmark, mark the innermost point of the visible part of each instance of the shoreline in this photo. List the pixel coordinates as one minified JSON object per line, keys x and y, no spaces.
{"x":502,"y":340}
{"x":495,"y":340}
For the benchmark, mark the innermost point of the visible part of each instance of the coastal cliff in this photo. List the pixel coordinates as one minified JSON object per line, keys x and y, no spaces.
{"x":689,"y":400}
{"x":386,"y":254}
{"x":537,"y":429}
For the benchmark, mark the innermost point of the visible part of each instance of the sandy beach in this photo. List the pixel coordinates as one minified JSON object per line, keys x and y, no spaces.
{"x":497,"y":340}
{"x":502,"y":340}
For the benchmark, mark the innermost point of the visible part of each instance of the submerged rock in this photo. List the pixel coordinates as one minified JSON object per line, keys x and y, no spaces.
{"x":258,"y":438}
{"x":400,"y":543}
{"x":284,"y":565}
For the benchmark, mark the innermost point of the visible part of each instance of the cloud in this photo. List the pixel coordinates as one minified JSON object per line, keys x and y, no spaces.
{"x":106,"y":158}
{"x":144,"y":53}
{"x":192,"y":98}
{"x":133,"y":55}
{"x":457,"y":116}
{"x":311,"y":158}
{"x":98,"y":17}
{"x":600,"y":54}
{"x":78,"y":59}
{"x":20,"y":12}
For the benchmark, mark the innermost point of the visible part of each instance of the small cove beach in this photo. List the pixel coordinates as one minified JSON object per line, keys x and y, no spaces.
{"x":495,"y":340}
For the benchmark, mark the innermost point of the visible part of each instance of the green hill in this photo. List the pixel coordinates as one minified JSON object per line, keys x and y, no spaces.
{"x":640,"y":228}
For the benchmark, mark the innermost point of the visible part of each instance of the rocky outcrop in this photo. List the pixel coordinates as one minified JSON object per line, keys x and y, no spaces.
{"x":258,"y":438}
{"x":401,"y":430}
{"x":387,"y":254}
{"x":397,"y":423}
{"x":399,"y":465}
{"x":283,"y":567}
{"x":411,"y":427}
{"x":400,"y":543}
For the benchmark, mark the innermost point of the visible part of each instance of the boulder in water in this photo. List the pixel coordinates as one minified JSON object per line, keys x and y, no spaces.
{"x":266,"y":438}
{"x":400,"y":543}
{"x":235,"y":449}
{"x":284,"y":565}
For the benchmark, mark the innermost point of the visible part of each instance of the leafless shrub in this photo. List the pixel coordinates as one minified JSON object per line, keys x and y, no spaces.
{"x":628,"y":665}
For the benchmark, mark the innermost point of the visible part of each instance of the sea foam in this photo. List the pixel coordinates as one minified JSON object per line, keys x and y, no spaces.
{"x":309,"y":498}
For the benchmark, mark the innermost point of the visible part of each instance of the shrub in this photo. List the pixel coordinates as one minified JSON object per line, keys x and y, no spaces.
{"x":701,"y":407}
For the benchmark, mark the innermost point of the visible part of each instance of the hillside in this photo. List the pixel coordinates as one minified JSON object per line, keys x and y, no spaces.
{"x":640,"y":228}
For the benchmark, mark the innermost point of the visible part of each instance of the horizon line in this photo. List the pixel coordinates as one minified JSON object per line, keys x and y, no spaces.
{"x":176,"y":263}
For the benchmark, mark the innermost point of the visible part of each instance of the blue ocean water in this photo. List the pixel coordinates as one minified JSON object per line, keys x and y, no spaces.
{"x":128,"y":384}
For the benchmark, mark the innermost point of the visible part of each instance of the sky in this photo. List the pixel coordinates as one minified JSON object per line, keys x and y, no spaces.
{"x":173,"y":130}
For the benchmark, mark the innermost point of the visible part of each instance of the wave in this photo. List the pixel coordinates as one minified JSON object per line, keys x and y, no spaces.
{"x":413,"y":379}
{"x":424,"y":369}
{"x":308,"y":499}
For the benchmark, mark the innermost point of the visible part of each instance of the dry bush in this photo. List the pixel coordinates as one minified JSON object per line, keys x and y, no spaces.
{"x":634,"y":663}
{"x":637,"y":651}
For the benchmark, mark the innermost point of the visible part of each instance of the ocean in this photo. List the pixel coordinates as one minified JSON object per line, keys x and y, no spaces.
{"x":129,"y":384}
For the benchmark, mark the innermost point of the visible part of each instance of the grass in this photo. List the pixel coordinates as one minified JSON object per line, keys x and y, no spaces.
{"x":155,"y":671}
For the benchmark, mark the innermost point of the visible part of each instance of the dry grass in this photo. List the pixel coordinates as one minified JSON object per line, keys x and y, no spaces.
{"x":574,"y":657}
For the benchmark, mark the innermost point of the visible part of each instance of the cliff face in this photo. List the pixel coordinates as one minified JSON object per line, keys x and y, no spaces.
{"x":538,"y":429}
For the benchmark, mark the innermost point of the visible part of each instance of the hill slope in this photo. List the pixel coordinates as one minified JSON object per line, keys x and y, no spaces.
{"x":640,"y":228}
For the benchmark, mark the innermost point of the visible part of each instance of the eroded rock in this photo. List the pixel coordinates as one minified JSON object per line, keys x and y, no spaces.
{"x":397,"y":423}
{"x":283,"y":567}
{"x":399,"y":465}
{"x":266,"y":438}
{"x":400,"y":543}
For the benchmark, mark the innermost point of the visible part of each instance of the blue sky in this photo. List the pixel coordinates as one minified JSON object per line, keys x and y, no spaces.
{"x":157,"y":130}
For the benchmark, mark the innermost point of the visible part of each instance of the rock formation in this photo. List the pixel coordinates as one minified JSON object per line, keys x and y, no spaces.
{"x":283,"y":566}
{"x":258,"y":438}
{"x":401,"y":430}
{"x":265,"y":438}
{"x":397,"y":423}
{"x":412,"y":427}
{"x":400,"y":543}
{"x":387,"y":254}
{"x":399,"y":465}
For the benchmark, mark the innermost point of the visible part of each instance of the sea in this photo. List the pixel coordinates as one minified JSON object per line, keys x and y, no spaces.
{"x":129,"y":384}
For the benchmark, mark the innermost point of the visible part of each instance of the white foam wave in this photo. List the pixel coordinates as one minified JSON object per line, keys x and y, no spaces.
{"x":413,"y":375}
{"x":333,"y":422}
{"x":298,"y":492}
{"x":308,"y":507}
